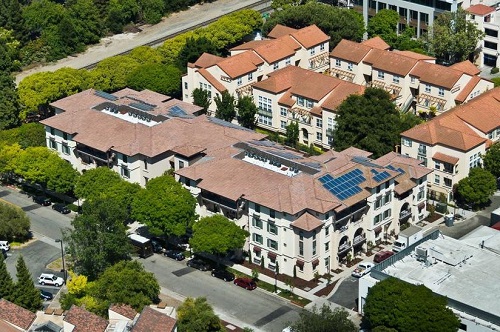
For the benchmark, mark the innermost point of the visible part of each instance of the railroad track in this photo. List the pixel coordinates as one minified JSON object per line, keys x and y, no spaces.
{"x":160,"y":40}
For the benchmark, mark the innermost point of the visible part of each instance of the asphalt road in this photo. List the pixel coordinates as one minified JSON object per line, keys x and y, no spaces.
{"x":346,"y":293}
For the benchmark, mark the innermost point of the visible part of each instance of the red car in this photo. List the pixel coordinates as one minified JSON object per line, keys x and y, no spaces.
{"x":246,"y":283}
{"x":382,"y":256}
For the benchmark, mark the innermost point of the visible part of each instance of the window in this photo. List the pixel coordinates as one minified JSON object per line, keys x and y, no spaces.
{"x":412,"y":79}
{"x":124,"y":158}
{"x":309,"y":103}
{"x":447,"y":182}
{"x":265,"y":104}
{"x":377,"y":219}
{"x":492,"y":33}
{"x":420,"y":195}
{"x":327,"y":246}
{"x":395,"y":79}
{"x":283,"y":111}
{"x":331,"y":123}
{"x":436,"y":179}
{"x":271,"y":228}
{"x":314,"y":247}
{"x":380,"y":75}
{"x":283,"y":124}
{"x":338,"y":63}
{"x":239,"y":81}
{"x":257,"y":208}
{"x":490,"y":45}
{"x":300,"y":101}
{"x":257,"y":238}
{"x":427,"y":88}
{"x":327,"y":230}
{"x":441,"y":92}
{"x":125,"y":172}
{"x":145,"y":163}
{"x":276,"y":65}
{"x":181,"y":164}
{"x":256,"y":222}
{"x":266,"y":120}
{"x":312,"y":51}
{"x":272,"y":244}
{"x":250,"y":76}
{"x":65,"y":136}
{"x":437,"y":165}
{"x":349,"y":66}
{"x":322,"y":47}
{"x":288,"y":61}
{"x":272,"y":213}
{"x":387,"y":214}
{"x":378,"y":203}
{"x":475,"y":160}
{"x":319,"y":136}
{"x":387,"y":197}
{"x":53,"y":144}
{"x":422,"y":149}
{"x":52,"y":131}
{"x":185,"y":85}
{"x":301,"y":248}
{"x":65,"y":148}
{"x":319,"y":123}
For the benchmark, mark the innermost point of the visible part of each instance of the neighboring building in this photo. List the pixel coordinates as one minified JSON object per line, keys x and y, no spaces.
{"x":152,"y":320}
{"x":465,"y":271}
{"x":251,"y":62}
{"x":485,"y":15}
{"x":453,"y":143}
{"x":14,"y":318}
{"x":139,"y":135}
{"x":308,"y":214}
{"x":310,"y":98}
{"x":78,"y":319}
{"x":414,"y":80}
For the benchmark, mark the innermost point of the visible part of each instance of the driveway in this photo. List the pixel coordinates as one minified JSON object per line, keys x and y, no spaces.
{"x":346,"y":293}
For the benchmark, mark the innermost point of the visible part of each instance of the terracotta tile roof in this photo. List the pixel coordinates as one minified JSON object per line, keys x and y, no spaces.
{"x":6,"y":327}
{"x":480,"y":9}
{"x":466,"y":67}
{"x":240,"y":64}
{"x":307,"y":222}
{"x":482,"y":112}
{"x":438,"y":75}
{"x":350,"y":51}
{"x":212,"y":80}
{"x":286,"y":99}
{"x":376,"y":42}
{"x":124,"y":310}
{"x":188,"y":150}
{"x":446,"y":158}
{"x":16,"y":315}
{"x":280,"y":30}
{"x":414,"y":55}
{"x":310,"y":36}
{"x":251,"y":45}
{"x":152,"y":320}
{"x":390,"y":62}
{"x":462,"y":96}
{"x":340,"y":93}
{"x":206,"y":60}
{"x":85,"y":321}
{"x":79,"y":101}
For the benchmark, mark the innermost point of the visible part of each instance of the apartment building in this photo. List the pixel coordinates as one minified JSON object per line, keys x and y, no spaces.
{"x":414,"y":80}
{"x":139,"y":135}
{"x":309,"y":98}
{"x":307,"y":215}
{"x":251,"y":62}
{"x":485,"y":15}
{"x":453,"y":143}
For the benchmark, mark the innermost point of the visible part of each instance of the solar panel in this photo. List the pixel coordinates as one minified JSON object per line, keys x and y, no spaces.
{"x":142,"y":106}
{"x":286,"y":155}
{"x":177,"y":111}
{"x":374,"y":171}
{"x":105,"y":95}
{"x":345,"y":185}
{"x":263,"y":143}
{"x":228,"y":124}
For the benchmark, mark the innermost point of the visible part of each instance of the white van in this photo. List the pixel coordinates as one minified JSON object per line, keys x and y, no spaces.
{"x":4,"y":245}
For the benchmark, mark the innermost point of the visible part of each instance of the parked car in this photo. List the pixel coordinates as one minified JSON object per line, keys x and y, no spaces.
{"x":46,"y":296}
{"x":5,"y":245}
{"x":157,"y":248}
{"x":198,"y":264}
{"x":50,"y":279}
{"x":362,"y":269}
{"x":175,"y":254}
{"x":382,"y":256}
{"x":246,"y":283}
{"x":223,"y":274}
{"x":61,"y":208}
{"x":42,"y":200}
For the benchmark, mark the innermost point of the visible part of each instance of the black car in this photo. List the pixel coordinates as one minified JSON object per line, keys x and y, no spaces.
{"x":61,"y":208}
{"x":46,"y":296}
{"x":156,"y":246}
{"x":223,"y":274}
{"x":175,"y":254}
{"x":198,"y":264}
{"x":42,"y":200}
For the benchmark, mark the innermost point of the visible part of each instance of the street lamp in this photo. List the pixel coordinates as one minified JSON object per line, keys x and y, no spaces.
{"x":62,"y":256}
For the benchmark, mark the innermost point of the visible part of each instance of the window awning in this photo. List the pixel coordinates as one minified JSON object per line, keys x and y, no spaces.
{"x":271,"y":255}
{"x":299,"y":263}
{"x":257,"y":249}
{"x":378,"y":229}
{"x":421,"y":205}
{"x":315,"y":262}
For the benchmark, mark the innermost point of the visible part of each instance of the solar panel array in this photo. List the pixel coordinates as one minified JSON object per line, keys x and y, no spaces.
{"x":105,"y":95}
{"x":142,"y":106}
{"x":344,"y":186}
{"x":227,"y":124}
{"x":380,"y":176}
{"x":177,"y":111}
{"x":286,"y":155}
{"x":399,"y":169}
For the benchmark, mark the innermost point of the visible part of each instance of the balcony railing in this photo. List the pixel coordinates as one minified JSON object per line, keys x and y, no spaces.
{"x":404,"y":214}
{"x":344,"y":247}
{"x":359,"y":239}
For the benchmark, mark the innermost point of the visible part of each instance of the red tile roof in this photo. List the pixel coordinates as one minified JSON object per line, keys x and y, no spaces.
{"x":350,"y":51}
{"x":415,"y":55}
{"x":390,"y":62}
{"x":280,"y":30}
{"x":124,"y":310}
{"x":206,"y":60}
{"x":16,"y":315}
{"x":437,"y":75}
{"x":462,"y":96}
{"x":446,"y":158}
{"x":152,"y":320}
{"x":85,"y":321}
{"x":240,"y":64}
{"x":310,"y":36}
{"x":480,"y":9}
{"x":307,"y":222}
{"x":212,"y":80}
{"x":466,"y":67}
{"x":376,"y":42}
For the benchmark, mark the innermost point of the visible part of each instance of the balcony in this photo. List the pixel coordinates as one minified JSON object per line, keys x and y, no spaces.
{"x":344,"y":247}
{"x":360,"y":239}
{"x":404,"y":215}
{"x":93,"y":153}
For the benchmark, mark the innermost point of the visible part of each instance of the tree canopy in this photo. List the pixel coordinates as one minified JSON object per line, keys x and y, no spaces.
{"x":292,"y":134}
{"x":14,"y":223}
{"x":165,"y":79}
{"x":452,"y":37}
{"x":478,"y":187}
{"x":9,"y":99}
{"x":324,"y":319}
{"x":226,"y":106}
{"x":491,"y":160}
{"x":6,"y":283}
{"x":369,"y":122}
{"x":396,"y":304}
{"x":246,"y":112}
{"x":202,"y":98}
{"x":384,"y":25}
{"x":26,"y":294}
{"x":196,"y":315}
{"x":193,"y":48}
{"x":164,"y":206}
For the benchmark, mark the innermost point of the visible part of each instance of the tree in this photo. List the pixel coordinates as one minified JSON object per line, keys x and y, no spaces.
{"x":146,"y":54}
{"x":6,"y":283}
{"x":452,"y":37}
{"x":111,"y":74}
{"x":491,"y":160}
{"x":165,"y":79}
{"x":192,"y":50}
{"x":202,"y":98}
{"x":152,"y":10}
{"x":196,"y":315}
{"x":226,"y":109}
{"x":406,"y":41}
{"x":246,"y":112}
{"x":165,"y":206}
{"x":9,"y":111}
{"x":324,"y":319}
{"x":284,"y":4}
{"x":478,"y":187}
{"x":369,"y":122}
{"x":292,"y":134}
{"x":396,"y":304}
{"x":409,"y":120}
{"x":217,"y":235}
{"x":99,"y":237}
{"x":384,"y":25}
{"x":26,"y":294}
{"x":14,"y":224}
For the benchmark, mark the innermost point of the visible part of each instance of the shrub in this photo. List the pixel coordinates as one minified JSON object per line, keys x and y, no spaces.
{"x":494,"y":70}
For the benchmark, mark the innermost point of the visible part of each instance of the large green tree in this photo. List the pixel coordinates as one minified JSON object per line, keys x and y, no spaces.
{"x":384,"y":25}
{"x":193,"y":49}
{"x":99,"y":238}
{"x":165,"y":206}
{"x":9,"y":101}
{"x":246,"y":112}
{"x":324,"y":319}
{"x":226,"y":106}
{"x":491,"y":160}
{"x":370,"y":122}
{"x":26,"y":294}
{"x":165,"y":79}
{"x":112,"y":74}
{"x":217,"y":235}
{"x":28,"y":134}
{"x":196,"y":315}
{"x":202,"y":98}
{"x":396,"y":304}
{"x":6,"y":283}
{"x":478,"y":187}
{"x":452,"y":37}
{"x":292,"y":134}
{"x":14,"y":223}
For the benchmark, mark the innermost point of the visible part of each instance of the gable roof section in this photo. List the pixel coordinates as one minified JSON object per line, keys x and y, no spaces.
{"x":206,"y":60}
{"x":466,"y":67}
{"x":462,"y":96}
{"x":124,"y":309}
{"x":376,"y":42}
{"x":280,"y":30}
{"x":16,"y":315}
{"x":152,"y":320}
{"x":307,"y":222}
{"x":240,"y":64}
{"x":414,"y":55}
{"x":350,"y":51}
{"x":85,"y":321}
{"x":437,"y":75}
{"x":310,"y":36}
{"x":340,"y":93}
{"x":446,"y":158}
{"x":390,"y":62}
{"x":212,"y":80}
{"x":482,"y":112}
{"x":480,"y":9}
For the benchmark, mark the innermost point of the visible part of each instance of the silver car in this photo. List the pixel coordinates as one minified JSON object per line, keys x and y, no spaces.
{"x":362,"y":269}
